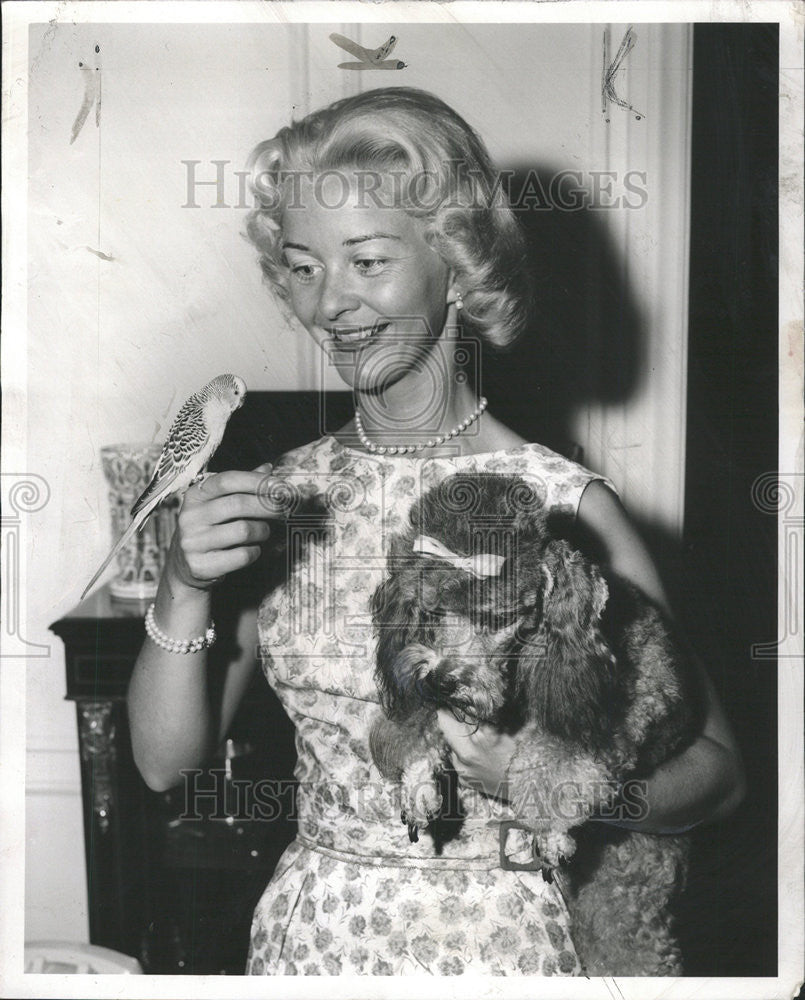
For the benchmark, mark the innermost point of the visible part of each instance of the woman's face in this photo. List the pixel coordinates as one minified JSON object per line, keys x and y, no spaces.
{"x":363,"y":282}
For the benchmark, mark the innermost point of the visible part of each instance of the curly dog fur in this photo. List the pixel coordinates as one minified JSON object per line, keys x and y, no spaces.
{"x":576,"y":662}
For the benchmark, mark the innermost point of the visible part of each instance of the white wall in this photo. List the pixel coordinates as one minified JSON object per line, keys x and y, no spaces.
{"x":115,"y":345}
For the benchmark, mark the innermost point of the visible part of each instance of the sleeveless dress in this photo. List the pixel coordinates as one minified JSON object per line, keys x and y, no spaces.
{"x":352,"y":894}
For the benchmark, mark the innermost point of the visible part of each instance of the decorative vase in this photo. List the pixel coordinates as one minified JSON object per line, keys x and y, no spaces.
{"x":128,"y":469}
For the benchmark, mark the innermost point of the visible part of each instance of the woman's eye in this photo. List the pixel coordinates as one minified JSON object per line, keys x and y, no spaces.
{"x":304,"y":272}
{"x":370,"y":265}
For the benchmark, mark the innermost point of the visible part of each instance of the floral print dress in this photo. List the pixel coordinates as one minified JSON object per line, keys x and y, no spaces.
{"x":352,"y":894}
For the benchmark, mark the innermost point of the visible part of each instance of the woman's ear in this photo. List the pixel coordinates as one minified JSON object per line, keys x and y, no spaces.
{"x":452,"y":289}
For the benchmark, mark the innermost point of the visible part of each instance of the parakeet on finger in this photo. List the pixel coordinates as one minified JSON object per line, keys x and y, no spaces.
{"x":192,"y":441}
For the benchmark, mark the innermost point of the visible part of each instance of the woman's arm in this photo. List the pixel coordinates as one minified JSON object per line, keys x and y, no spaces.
{"x":174,"y":725}
{"x":703,"y":783}
{"x":706,"y":781}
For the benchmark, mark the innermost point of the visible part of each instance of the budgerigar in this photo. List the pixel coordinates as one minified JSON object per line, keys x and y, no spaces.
{"x":192,"y":440}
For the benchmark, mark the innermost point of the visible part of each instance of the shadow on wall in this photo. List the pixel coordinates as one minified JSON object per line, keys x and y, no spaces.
{"x":583,"y":342}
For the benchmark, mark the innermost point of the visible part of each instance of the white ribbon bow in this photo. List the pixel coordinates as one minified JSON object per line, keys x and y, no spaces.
{"x":481,"y":564}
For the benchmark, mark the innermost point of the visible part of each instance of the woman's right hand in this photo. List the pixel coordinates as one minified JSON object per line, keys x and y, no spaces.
{"x":221,"y":527}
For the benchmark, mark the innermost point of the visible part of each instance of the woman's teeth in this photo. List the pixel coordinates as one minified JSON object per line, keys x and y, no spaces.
{"x":357,"y":335}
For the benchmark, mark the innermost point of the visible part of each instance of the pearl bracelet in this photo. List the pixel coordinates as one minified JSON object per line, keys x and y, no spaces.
{"x":156,"y":635}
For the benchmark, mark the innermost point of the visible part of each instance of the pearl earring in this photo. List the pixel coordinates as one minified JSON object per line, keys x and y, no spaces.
{"x":459,"y":302}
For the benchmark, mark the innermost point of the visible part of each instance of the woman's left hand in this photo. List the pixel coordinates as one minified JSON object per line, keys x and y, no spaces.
{"x":481,"y":754}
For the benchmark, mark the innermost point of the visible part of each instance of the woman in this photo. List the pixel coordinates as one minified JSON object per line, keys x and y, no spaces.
{"x":380,"y":225}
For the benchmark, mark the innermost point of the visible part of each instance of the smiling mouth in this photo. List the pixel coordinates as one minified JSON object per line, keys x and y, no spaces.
{"x":356,"y":334}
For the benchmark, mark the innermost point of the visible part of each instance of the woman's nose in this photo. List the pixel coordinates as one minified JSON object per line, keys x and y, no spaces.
{"x":337,"y":299}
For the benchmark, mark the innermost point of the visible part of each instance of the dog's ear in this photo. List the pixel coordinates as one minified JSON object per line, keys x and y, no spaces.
{"x":566,"y":670}
{"x":398,"y":620}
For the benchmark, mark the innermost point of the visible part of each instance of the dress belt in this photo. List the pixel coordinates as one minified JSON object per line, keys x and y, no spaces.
{"x":396,"y":861}
{"x":482,"y":863}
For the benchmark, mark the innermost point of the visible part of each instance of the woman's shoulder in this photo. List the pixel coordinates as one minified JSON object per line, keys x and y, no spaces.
{"x":559,"y":480}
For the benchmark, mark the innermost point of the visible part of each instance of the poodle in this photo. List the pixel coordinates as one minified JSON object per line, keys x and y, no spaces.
{"x":487,"y":612}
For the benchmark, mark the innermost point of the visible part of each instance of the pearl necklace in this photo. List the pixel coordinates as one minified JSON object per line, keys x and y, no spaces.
{"x":402,"y":449}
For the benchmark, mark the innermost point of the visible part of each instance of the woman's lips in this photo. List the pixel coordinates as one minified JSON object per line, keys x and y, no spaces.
{"x":354,"y":335}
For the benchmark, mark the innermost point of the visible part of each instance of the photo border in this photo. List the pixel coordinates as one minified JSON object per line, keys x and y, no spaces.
{"x":791,"y":943}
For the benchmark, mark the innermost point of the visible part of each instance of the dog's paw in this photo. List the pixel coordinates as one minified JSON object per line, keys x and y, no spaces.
{"x":421,"y":798}
{"x":553,"y":848}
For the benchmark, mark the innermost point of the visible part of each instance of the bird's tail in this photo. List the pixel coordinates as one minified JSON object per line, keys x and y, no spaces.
{"x":135,"y":524}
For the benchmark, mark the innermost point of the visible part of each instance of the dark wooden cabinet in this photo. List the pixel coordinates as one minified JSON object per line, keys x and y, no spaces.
{"x":101,"y":640}
{"x":169,"y":881}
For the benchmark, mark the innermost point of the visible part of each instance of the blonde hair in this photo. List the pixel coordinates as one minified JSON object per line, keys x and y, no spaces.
{"x":443,"y":175}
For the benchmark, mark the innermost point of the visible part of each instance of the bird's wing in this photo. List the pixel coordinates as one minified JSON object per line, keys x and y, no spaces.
{"x":186,"y":440}
{"x":385,"y":50}
{"x":365,"y":55}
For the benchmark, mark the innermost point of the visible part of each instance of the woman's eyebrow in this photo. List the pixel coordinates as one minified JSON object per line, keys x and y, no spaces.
{"x":351,"y":241}
{"x":369,"y":236}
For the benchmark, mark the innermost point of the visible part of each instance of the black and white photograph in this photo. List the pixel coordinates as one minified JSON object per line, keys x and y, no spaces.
{"x":402,"y":490}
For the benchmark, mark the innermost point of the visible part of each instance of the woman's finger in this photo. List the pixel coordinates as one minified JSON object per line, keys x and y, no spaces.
{"x":229,"y":507}
{"x":451,"y":728}
{"x":458,"y":735}
{"x":470,"y":740}
{"x":225,"y":483}
{"x":212,"y":566}
{"x":244,"y":531}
